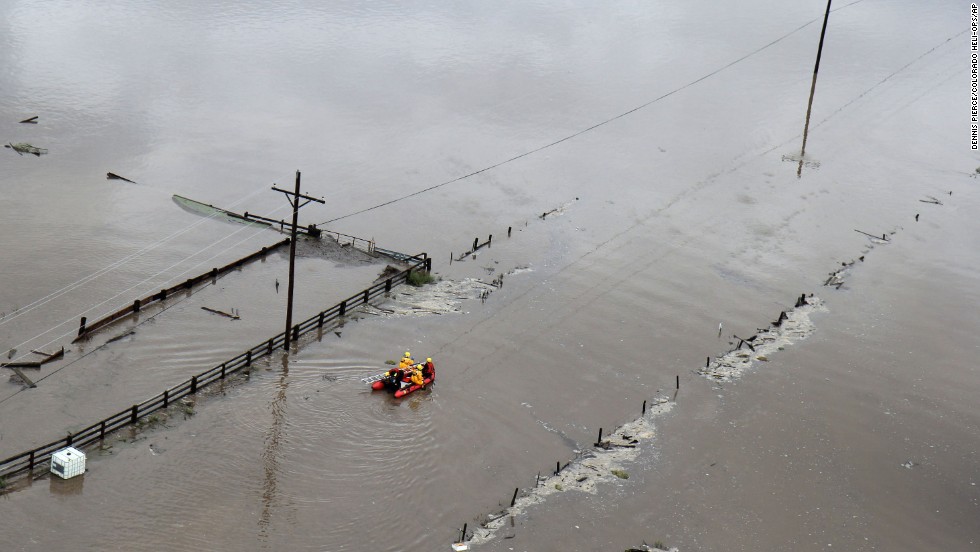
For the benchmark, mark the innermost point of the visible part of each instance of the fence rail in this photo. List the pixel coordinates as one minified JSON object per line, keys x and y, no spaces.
{"x":85,"y":329}
{"x":359,"y":243}
{"x":31,"y":459}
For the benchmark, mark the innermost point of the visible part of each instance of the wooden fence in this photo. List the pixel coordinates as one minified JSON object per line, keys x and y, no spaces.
{"x":85,"y":329}
{"x":26,"y":462}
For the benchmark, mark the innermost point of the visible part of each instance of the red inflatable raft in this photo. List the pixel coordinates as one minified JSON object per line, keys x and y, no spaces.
{"x":401,"y":392}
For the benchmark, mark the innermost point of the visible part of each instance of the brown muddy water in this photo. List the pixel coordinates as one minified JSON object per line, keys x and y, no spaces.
{"x":668,"y":221}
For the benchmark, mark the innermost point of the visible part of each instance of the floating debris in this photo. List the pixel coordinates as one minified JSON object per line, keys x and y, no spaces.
{"x":222,"y":313}
{"x":114,"y":176}
{"x":30,"y":120}
{"x":24,"y":147}
{"x":119,"y":337}
{"x":50,"y":356}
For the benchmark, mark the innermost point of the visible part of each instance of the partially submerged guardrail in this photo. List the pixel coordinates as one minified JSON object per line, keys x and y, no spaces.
{"x":28,"y":461}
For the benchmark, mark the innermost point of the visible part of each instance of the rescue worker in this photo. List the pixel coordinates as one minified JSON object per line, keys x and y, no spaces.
{"x":428,"y":368}
{"x":406,"y":361}
{"x":393,"y":378}
{"x":417,"y":376}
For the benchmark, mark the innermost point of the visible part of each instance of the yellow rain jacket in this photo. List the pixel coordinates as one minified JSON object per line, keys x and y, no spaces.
{"x":417,"y":377}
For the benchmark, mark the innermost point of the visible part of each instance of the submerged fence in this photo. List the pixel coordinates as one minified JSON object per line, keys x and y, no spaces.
{"x":27,"y":461}
{"x":85,"y":329}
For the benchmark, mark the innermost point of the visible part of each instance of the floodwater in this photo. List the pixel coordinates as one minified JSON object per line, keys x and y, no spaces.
{"x":672,"y":219}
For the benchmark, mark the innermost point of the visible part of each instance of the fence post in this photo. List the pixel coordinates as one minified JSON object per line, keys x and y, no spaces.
{"x":295,"y":332}
{"x":222,"y":370}
{"x":135,"y":414}
{"x":248,"y":357}
{"x":388,"y":285}
{"x":428,"y":264}
{"x":270,"y":347}
{"x":81,"y":327}
{"x":166,"y":398}
{"x":194,"y":384}
{"x":367,"y":295}
{"x":343,"y":307}
{"x":68,"y":440}
{"x":136,"y":305}
{"x":30,"y":463}
{"x":163,"y":294}
{"x":102,"y":430}
{"x":320,"y":321}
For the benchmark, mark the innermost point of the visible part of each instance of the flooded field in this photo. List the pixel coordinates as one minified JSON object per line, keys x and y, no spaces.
{"x":637,"y":168}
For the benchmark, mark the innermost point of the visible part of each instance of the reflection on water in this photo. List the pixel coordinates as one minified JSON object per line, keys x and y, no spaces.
{"x":63,"y":488}
{"x":274,"y":449}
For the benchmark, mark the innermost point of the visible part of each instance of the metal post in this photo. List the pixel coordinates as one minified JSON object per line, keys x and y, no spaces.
{"x":81,"y":327}
{"x":194,"y":384}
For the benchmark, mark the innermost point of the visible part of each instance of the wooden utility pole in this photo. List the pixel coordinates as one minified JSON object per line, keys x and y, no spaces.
{"x":294,"y":200}
{"x":813,"y":87}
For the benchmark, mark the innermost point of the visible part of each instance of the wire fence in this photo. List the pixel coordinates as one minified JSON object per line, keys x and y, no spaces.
{"x":26,"y":462}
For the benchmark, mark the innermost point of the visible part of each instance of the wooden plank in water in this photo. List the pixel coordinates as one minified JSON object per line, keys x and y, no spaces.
{"x":27,"y":381}
{"x":215,"y":311}
{"x":49,"y":357}
{"x":21,"y":365}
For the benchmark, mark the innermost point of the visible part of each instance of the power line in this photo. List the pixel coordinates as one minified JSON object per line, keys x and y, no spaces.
{"x":111,"y":266}
{"x":588,"y":129}
{"x":149,"y":318}
{"x":172,"y":279}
